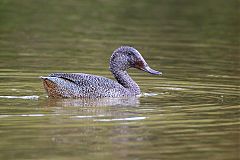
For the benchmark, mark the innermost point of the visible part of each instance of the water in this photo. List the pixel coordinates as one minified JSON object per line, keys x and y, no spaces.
{"x":191,"y":112}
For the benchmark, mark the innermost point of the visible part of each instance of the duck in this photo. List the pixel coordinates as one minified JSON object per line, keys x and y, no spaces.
{"x":82,"y":85}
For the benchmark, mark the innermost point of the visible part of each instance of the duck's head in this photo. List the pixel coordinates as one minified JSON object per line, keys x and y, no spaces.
{"x":128,"y":57}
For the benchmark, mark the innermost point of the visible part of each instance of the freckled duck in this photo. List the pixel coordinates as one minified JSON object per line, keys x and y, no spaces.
{"x":80,"y":85}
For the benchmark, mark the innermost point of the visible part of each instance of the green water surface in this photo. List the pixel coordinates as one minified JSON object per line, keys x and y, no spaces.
{"x":189,"y":113}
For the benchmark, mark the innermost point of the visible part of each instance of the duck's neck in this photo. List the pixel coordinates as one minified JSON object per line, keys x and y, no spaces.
{"x":126,"y":81}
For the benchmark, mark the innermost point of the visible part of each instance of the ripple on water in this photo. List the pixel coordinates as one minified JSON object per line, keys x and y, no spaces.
{"x":121,"y":119}
{"x":33,"y":97}
{"x":82,"y":117}
{"x":23,"y":115}
{"x":148,"y":94}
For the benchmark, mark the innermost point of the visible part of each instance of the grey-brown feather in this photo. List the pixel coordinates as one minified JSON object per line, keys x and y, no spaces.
{"x":86,"y":85}
{"x":79,"y":85}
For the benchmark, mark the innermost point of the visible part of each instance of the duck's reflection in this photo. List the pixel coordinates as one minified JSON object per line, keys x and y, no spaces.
{"x":97,"y":102}
{"x":92,"y":123}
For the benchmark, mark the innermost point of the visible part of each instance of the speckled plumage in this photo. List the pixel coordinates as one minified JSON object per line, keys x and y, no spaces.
{"x":80,"y":85}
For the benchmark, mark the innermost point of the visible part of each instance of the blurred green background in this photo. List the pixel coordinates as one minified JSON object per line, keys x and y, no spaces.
{"x":191,"y":112}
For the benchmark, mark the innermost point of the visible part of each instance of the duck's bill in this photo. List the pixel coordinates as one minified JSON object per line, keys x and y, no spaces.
{"x":150,"y":70}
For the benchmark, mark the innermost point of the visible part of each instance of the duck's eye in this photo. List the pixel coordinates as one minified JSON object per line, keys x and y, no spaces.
{"x":129,"y":53}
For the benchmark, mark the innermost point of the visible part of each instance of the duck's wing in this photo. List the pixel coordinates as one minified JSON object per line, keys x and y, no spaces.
{"x":85,"y":79}
{"x":87,"y":85}
{"x":71,"y":77}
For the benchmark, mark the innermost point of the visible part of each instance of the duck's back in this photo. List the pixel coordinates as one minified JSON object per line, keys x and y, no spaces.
{"x":82,"y":86}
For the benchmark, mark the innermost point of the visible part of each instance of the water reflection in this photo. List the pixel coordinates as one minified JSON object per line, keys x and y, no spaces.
{"x":90,"y":102}
{"x":192,"y":112}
